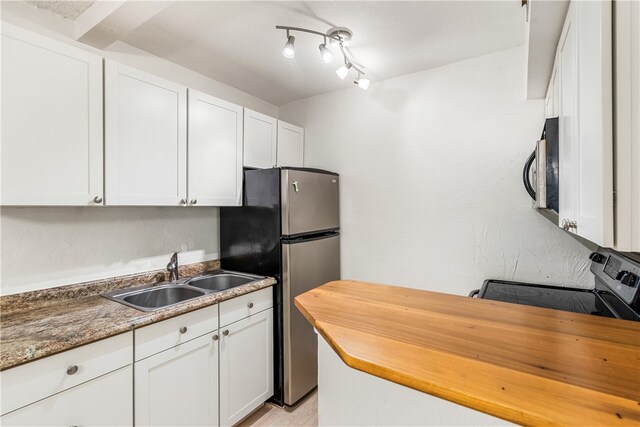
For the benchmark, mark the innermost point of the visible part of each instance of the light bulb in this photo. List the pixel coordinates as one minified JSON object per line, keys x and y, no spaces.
{"x":343,"y":71}
{"x":325,"y":53}
{"x":364,"y":83}
{"x":289,"y":50}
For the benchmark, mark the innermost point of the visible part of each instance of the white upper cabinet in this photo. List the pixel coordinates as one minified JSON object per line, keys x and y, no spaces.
{"x":594,"y":190}
{"x":568,"y":117}
{"x":214,"y":151}
{"x":290,"y":145}
{"x":145,"y":138}
{"x":51,"y":122}
{"x":627,"y":135}
{"x":260,"y":140}
{"x":586,"y":145}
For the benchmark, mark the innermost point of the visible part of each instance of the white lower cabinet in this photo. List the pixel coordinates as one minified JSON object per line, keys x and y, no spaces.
{"x":179,"y":386}
{"x":104,"y":401}
{"x":201,"y":368}
{"x":246,"y":366}
{"x":88,"y":385}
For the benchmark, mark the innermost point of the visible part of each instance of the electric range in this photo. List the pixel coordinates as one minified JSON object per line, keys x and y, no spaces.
{"x":616,"y":292}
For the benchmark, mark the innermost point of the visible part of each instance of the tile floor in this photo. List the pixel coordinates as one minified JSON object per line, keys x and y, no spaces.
{"x":304,"y":414}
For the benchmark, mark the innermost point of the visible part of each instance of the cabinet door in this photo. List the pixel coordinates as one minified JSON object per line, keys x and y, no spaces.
{"x":627,"y":142}
{"x":215,"y":151}
{"x":290,"y":145}
{"x":104,"y":401}
{"x":145,"y":138}
{"x":260,"y":140}
{"x":568,"y":117}
{"x":594,"y":156}
{"x":246,"y":366}
{"x":51,"y":122}
{"x":179,"y":386}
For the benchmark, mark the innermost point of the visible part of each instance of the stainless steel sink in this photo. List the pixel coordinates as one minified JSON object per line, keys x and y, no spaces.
{"x":220,"y":282}
{"x":155,"y":297}
{"x":151,"y":298}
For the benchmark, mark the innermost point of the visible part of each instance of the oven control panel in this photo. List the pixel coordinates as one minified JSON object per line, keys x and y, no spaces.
{"x":620,"y":273}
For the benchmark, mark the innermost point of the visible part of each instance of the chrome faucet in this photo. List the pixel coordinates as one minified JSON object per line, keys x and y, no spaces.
{"x":172,"y":267}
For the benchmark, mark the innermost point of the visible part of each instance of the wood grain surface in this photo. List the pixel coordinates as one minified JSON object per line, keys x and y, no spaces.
{"x":528,"y":365}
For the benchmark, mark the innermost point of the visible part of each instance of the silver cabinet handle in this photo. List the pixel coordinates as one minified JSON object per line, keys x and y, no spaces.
{"x":97,"y":200}
{"x":573,"y":224}
{"x":215,"y":337}
{"x":295,"y":186}
{"x":225,"y":332}
{"x":183,"y":330}
{"x":71,"y":370}
{"x":250,"y":305}
{"x":565,"y":225}
{"x":183,"y":202}
{"x":194,"y":201}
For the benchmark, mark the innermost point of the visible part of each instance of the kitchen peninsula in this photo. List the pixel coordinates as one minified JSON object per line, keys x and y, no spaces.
{"x":527,"y":365}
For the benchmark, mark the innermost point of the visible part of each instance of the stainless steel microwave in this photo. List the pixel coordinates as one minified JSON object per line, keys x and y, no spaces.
{"x":542,"y":169}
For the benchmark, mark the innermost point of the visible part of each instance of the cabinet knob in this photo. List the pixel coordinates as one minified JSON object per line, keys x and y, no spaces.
{"x":225,"y":332}
{"x":194,"y":201}
{"x":183,"y":202}
{"x":250,"y":305}
{"x":97,"y":199}
{"x":183,"y":330}
{"x":71,"y":370}
{"x":215,"y":337}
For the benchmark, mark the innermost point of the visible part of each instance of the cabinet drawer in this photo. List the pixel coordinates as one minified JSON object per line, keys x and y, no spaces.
{"x":243,"y":306}
{"x":169,"y":333}
{"x":36,"y":380}
{"x":104,"y":401}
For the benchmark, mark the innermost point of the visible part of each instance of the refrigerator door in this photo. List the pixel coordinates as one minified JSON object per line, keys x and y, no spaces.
{"x":306,"y":264}
{"x":309,"y":201}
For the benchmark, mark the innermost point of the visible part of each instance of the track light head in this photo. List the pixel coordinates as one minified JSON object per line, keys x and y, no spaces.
{"x":362,"y":82}
{"x":343,"y":71}
{"x":289,"y":49}
{"x":325,"y":53}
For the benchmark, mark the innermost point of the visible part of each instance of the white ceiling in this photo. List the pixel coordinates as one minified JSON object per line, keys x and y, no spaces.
{"x":237,"y":43}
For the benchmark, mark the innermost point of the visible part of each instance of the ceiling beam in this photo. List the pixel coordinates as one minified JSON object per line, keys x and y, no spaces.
{"x":108,"y":21}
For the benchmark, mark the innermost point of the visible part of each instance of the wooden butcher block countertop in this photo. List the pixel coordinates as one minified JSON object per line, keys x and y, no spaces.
{"x":528,"y":365}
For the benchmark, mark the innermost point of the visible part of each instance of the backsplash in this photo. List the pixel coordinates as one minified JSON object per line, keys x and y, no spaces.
{"x":56,"y":246}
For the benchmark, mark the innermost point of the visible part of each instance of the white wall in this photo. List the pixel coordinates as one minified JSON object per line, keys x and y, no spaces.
{"x":431,"y":190}
{"x":45,"y":247}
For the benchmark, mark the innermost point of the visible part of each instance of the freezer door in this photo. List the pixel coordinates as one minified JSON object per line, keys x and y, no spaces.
{"x":309,"y":201}
{"x":306,"y":264}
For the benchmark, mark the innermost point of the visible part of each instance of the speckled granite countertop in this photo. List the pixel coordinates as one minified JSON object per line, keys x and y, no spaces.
{"x":42,"y":323}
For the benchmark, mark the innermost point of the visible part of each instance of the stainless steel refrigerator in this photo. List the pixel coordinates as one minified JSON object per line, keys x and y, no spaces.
{"x":288,"y":228}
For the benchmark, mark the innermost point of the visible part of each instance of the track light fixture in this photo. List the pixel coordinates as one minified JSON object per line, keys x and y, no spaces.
{"x":343,"y":71}
{"x":362,"y":82}
{"x":338,"y":36}
{"x":289,"y":49}
{"x":325,"y":53}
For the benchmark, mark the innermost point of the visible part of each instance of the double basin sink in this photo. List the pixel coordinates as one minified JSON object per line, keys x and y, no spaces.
{"x":155,"y":297}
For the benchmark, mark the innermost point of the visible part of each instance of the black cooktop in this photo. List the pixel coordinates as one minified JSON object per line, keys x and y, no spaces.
{"x":585,"y":301}
{"x":616,"y":292}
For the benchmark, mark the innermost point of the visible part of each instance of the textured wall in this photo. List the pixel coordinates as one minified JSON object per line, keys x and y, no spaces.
{"x":430,"y":164}
{"x":44,"y":247}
